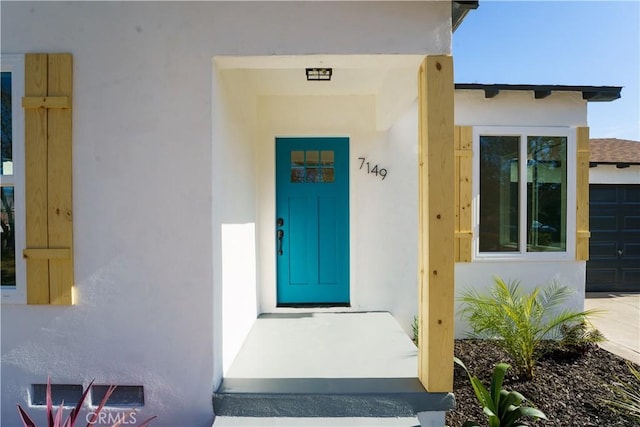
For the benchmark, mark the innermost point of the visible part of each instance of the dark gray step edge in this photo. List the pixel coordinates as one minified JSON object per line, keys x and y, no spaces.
{"x":327,"y":397}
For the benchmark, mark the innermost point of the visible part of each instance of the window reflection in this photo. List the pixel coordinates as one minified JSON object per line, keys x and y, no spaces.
{"x":499,"y":193}
{"x":504,"y":189}
{"x":297,"y":158}
{"x":312,"y":166}
{"x":327,"y":158}
{"x":6,"y":167}
{"x":546,"y":192}
{"x":7,"y":215}
{"x":312,"y":158}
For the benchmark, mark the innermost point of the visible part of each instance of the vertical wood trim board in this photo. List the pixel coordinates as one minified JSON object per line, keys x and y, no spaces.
{"x":437,"y":223}
{"x":582,"y":194}
{"x":35,"y":139}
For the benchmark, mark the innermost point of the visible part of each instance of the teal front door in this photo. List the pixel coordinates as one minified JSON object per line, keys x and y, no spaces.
{"x":312,"y":221}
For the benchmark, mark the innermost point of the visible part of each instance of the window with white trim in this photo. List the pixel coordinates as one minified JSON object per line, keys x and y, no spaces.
{"x":526,"y":182}
{"x":12,"y":207}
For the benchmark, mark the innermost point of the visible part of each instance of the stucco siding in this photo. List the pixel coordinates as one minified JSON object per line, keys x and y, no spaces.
{"x":610,"y":174}
{"x":480,"y":276}
{"x":519,"y":108}
{"x":168,"y":167}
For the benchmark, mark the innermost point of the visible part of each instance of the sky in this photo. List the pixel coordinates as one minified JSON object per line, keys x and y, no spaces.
{"x":584,"y":43}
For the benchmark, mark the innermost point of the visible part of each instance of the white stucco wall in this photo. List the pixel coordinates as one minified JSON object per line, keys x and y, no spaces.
{"x":521,"y":109}
{"x":480,"y":276}
{"x":167,"y":185}
{"x":234,"y":218}
{"x":610,"y":174}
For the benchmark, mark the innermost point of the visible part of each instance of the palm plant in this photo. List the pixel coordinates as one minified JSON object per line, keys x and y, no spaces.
{"x":519,"y":322}
{"x":578,"y":337}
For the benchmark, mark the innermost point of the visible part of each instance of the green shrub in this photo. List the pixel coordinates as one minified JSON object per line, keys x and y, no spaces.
{"x":578,"y":337}
{"x":518,"y":322}
{"x":627,"y":396}
{"x":503,"y":408}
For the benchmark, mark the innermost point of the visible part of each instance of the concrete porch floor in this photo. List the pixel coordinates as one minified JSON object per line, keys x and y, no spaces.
{"x":326,"y":365}
{"x":326,"y":345}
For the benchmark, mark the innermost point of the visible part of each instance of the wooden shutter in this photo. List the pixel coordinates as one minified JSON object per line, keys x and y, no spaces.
{"x":582,"y":194}
{"x":463,"y":143}
{"x":49,"y":228}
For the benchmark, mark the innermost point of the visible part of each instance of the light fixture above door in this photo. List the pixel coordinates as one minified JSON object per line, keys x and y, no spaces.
{"x":319,"y":74}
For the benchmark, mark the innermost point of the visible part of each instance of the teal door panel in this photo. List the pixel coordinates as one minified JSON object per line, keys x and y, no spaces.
{"x":312,"y":209}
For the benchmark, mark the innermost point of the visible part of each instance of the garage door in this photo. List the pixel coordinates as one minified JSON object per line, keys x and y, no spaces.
{"x":614,"y":248}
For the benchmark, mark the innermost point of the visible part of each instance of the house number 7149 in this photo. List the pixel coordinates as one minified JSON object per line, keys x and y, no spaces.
{"x":376,"y":169}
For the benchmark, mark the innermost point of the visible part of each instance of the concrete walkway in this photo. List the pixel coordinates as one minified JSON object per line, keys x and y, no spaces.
{"x":619,"y":322}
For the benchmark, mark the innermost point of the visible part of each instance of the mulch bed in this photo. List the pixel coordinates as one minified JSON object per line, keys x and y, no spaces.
{"x":567,"y":387}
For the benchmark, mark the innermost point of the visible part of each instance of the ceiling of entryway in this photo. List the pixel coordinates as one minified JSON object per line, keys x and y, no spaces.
{"x":392,"y":79}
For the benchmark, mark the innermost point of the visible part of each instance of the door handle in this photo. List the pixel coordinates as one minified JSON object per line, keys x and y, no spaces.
{"x":620,"y":251}
{"x":280,"y":234}
{"x":280,"y":237}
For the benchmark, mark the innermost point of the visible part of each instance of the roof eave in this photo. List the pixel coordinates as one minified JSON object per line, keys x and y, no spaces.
{"x":619,"y":165}
{"x":459,"y":10}
{"x":589,"y":93}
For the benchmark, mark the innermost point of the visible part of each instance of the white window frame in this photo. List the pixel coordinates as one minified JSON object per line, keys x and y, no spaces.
{"x":523,"y":131}
{"x":14,"y":63}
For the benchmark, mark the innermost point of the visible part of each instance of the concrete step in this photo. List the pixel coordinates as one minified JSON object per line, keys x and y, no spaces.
{"x":321,"y":366}
{"x":327,"y":397}
{"x":315,"y":422}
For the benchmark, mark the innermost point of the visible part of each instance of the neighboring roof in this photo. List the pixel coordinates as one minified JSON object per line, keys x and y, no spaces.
{"x":615,"y":151}
{"x":589,"y":93}
{"x":459,"y":9}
